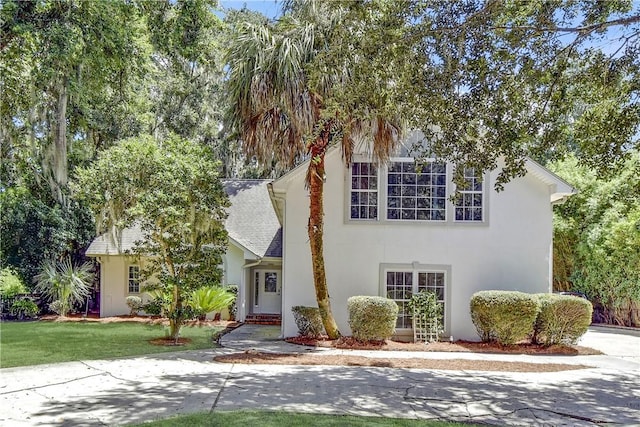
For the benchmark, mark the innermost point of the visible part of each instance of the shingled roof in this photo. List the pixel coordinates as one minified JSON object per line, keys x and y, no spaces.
{"x":252,"y":223}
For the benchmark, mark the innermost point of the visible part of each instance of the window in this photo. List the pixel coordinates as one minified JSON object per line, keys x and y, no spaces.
{"x":469,"y":202}
{"x":364,"y":191}
{"x":417,"y":192}
{"x":134,"y":279}
{"x":400,"y":285}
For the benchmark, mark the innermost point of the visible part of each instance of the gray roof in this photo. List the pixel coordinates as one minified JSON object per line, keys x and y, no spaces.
{"x":105,"y":244}
{"x":252,"y":223}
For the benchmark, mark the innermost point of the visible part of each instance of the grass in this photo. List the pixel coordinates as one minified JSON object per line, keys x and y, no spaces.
{"x":284,"y":419}
{"x":34,"y":343}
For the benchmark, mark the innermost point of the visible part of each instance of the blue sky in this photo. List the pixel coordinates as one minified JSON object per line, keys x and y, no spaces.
{"x":269,"y":8}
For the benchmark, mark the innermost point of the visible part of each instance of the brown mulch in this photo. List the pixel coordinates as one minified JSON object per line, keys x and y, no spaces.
{"x":458,"y":346}
{"x":256,"y":357}
{"x":253,"y":357}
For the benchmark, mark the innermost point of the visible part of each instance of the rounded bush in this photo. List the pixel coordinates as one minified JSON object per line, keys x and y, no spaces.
{"x":372,"y":318}
{"x":562,"y":319}
{"x":135,"y":304}
{"x":504,"y":316}
{"x":308,"y":321}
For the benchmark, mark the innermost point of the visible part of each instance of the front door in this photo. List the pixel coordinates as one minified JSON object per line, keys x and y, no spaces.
{"x":266,"y":291}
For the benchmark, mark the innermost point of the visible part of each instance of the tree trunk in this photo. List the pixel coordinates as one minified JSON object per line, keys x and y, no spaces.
{"x":315,"y":180}
{"x":57,"y":157}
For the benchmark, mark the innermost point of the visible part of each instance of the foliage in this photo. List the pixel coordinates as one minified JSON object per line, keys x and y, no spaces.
{"x":372,"y":318}
{"x":503,"y":316}
{"x":71,"y":74}
{"x":34,"y":343}
{"x":233,"y":306}
{"x":159,"y":303}
{"x":283,"y":113}
{"x":597,"y":239}
{"x":491,"y":82}
{"x":23,"y":308}
{"x":56,"y":307}
{"x":135,"y":304}
{"x":65,"y":282}
{"x":308,"y":321}
{"x":562,"y":319}
{"x":427,"y":311}
{"x":209,"y":299}
{"x":10,"y":284}
{"x":28,"y":221}
{"x":170,"y":189}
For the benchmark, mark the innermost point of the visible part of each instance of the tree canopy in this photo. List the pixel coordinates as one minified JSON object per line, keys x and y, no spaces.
{"x":171,"y":190}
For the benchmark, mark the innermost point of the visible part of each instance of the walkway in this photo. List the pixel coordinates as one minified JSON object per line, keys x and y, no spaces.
{"x":118,"y":392}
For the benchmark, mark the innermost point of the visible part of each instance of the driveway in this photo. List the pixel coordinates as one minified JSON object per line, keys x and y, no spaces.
{"x":118,"y":392}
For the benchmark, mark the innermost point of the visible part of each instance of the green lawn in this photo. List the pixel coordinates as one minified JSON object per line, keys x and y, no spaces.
{"x":33,"y":343}
{"x":283,"y":419}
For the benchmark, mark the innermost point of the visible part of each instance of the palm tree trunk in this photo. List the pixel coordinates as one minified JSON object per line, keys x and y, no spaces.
{"x":316,"y":234}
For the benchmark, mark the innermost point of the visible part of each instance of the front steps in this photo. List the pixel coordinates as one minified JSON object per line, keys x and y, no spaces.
{"x":263,"y":319}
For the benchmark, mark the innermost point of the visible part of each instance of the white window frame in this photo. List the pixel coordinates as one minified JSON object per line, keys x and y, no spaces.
{"x":361,"y":191}
{"x":135,"y":280}
{"x":472,"y":181}
{"x":415,"y":269}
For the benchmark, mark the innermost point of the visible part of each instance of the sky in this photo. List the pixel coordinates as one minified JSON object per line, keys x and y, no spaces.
{"x":269,"y":8}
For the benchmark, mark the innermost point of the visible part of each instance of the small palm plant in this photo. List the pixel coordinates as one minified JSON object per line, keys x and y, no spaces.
{"x":64,"y":282}
{"x":210,"y":298}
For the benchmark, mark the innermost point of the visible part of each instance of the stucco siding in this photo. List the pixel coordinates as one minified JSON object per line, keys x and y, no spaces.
{"x":510,"y":251}
{"x":114,"y":270}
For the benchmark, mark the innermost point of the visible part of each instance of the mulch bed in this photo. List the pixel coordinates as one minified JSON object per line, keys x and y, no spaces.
{"x":458,"y":346}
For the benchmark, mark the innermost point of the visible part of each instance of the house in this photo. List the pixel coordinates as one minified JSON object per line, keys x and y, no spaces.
{"x":390,"y":230}
{"x":253,"y":257}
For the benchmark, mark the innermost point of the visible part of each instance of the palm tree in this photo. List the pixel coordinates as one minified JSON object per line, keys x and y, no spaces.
{"x":283,"y":115}
{"x":65,"y":282}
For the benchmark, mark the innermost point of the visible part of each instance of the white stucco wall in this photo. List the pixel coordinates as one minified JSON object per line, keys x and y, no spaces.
{"x":510,"y":252}
{"x":114,"y":271}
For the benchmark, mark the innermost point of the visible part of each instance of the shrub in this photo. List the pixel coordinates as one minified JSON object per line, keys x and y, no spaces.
{"x":159,"y":304}
{"x":562,"y":319}
{"x":10,"y":284}
{"x":427,"y":316}
{"x":135,"y":304}
{"x":209,"y":298}
{"x":233,"y":308}
{"x":23,"y":308}
{"x":56,"y":307}
{"x":503,"y":316}
{"x":372,"y":318}
{"x":308,"y":321}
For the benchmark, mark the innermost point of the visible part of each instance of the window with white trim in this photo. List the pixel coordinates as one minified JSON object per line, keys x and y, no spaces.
{"x":134,"y":279}
{"x":401,"y":284}
{"x":468,"y":206}
{"x":416,"y":192}
{"x":364,"y":191}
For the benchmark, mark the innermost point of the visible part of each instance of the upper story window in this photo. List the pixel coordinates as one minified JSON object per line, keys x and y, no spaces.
{"x":468,"y":206}
{"x":364,"y":191}
{"x":416,"y":192}
{"x":134,"y":279}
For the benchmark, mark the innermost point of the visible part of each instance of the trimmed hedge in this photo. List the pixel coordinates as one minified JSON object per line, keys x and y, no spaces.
{"x":372,"y":318}
{"x":503,"y":316}
{"x":308,"y":321}
{"x":562,"y":319}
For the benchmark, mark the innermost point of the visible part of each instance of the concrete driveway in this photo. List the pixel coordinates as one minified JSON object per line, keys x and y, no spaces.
{"x":119,"y":392}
